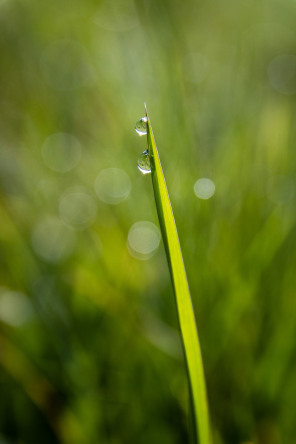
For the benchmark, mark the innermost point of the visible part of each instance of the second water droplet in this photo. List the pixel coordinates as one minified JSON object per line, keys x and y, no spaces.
{"x":141,"y":126}
{"x":144,"y":163}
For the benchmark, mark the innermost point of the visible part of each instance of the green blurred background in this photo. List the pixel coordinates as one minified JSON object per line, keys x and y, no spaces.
{"x":89,"y":343}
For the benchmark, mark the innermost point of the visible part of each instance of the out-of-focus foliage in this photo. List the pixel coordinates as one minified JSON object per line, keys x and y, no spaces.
{"x":89,"y":349}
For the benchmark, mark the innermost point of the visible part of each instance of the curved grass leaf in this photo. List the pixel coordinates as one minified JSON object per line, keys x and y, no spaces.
{"x":184,"y":305}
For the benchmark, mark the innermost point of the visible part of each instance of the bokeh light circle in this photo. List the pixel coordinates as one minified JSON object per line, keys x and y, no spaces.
{"x":112,"y":185}
{"x":77,"y":208}
{"x":61,"y":152}
{"x":143,"y":240}
{"x":204,"y":188}
{"x":15,"y":307}
{"x":52,"y":240}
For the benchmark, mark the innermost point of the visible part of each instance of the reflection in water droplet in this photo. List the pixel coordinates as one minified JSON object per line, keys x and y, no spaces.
{"x":143,"y":163}
{"x":141,"y":126}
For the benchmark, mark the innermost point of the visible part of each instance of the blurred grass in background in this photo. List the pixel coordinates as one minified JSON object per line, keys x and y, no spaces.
{"x":89,"y":348}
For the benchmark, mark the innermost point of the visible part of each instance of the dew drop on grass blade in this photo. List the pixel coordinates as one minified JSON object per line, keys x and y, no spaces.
{"x":179,"y":280}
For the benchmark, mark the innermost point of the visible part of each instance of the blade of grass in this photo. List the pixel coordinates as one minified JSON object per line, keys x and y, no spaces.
{"x":184,"y":305}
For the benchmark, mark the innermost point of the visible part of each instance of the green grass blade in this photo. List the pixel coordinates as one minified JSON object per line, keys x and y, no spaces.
{"x":182,"y":294}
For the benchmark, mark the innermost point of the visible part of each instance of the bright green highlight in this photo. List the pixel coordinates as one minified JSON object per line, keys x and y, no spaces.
{"x":182,"y":294}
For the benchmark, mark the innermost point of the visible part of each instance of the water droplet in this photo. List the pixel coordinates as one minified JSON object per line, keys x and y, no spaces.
{"x":141,"y":126}
{"x":144,"y":162}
